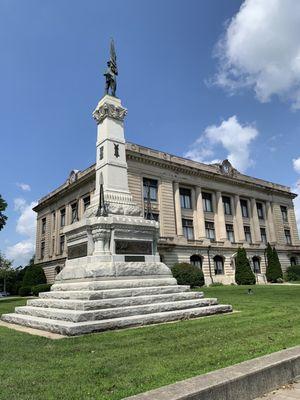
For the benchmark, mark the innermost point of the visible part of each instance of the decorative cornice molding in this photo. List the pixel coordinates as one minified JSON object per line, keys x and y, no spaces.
{"x":109,"y":110}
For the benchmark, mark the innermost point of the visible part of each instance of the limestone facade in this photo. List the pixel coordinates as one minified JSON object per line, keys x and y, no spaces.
{"x":205,"y":212}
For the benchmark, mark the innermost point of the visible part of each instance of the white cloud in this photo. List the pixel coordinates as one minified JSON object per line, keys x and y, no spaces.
{"x":22,"y":251}
{"x":296,"y":164}
{"x":260,"y":49}
{"x":234,"y":137}
{"x":24,"y":186}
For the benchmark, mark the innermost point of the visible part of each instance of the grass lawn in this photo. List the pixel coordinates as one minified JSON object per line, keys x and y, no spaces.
{"x":114,"y":365}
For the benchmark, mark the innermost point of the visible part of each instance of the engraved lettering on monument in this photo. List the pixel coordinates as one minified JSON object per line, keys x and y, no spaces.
{"x":133,"y":247}
{"x":77,"y":251}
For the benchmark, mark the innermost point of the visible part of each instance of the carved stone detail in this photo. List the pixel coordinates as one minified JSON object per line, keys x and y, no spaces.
{"x":110,"y":111}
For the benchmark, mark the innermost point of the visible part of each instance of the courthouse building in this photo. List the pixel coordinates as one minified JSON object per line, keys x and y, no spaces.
{"x":206,"y":211}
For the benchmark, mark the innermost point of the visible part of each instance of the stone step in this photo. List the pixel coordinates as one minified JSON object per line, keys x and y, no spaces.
{"x":113,"y":302}
{"x":71,"y":329}
{"x":110,"y":313}
{"x":113,"y":293}
{"x":114,"y":284}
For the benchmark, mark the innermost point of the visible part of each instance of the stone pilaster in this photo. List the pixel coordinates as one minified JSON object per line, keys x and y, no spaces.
{"x":238,"y":220}
{"x":270,"y":223}
{"x":199,"y":214}
{"x":220,"y":218}
{"x":255,"y":222}
{"x":178,"y":209}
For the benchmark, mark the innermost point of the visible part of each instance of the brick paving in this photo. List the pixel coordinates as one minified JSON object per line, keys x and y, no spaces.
{"x":287,"y":392}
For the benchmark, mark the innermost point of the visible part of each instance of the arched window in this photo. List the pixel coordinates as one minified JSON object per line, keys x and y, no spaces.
{"x":256,"y":264}
{"x":196,"y":260}
{"x":293,"y":261}
{"x":58,"y":269}
{"x":219,"y":265}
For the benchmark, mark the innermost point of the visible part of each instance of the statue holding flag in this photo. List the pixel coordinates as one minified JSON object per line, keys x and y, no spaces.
{"x":111,"y":71}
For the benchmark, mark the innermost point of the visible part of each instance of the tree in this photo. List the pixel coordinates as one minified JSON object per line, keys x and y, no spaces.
{"x":6,"y":270}
{"x":243,"y":272}
{"x":34,"y":275}
{"x":274,"y":271}
{"x":3,"y":217}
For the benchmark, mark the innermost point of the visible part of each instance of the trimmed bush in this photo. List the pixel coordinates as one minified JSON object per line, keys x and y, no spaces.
{"x":25,"y":291}
{"x":188,"y":274}
{"x":243,"y":271}
{"x":274,"y":271}
{"x":44,"y":287}
{"x":34,"y":275}
{"x":293,"y":273}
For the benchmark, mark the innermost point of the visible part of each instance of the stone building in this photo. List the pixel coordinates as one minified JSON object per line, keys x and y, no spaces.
{"x":205,"y":212}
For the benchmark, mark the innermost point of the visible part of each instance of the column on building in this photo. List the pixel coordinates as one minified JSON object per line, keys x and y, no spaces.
{"x":238,"y":220}
{"x":178,"y":209}
{"x":220,"y":220}
{"x":270,"y":223}
{"x":199,"y":221}
{"x":255,"y":222}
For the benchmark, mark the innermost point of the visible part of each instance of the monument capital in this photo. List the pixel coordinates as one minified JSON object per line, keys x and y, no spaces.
{"x":109,"y":107}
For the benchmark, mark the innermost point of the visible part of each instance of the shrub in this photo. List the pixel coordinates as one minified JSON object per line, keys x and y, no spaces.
{"x":25,"y":291}
{"x":188,"y":274}
{"x":293,"y":273}
{"x":216,"y":284}
{"x":34,"y":275}
{"x":44,"y":287}
{"x":279,"y":280}
{"x":274,"y":270}
{"x":243,"y":272}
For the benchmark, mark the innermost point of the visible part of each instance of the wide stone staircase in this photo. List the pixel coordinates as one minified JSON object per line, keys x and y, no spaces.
{"x":74,"y":308}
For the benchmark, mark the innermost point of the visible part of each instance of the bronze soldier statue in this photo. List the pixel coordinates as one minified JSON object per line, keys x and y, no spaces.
{"x":111,"y":72}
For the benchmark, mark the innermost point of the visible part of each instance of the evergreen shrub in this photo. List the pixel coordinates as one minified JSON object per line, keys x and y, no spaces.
{"x":44,"y":287}
{"x":243,"y":271}
{"x":274,"y":271}
{"x":34,"y":275}
{"x":188,"y":274}
{"x":293,"y":273}
{"x":25,"y":291}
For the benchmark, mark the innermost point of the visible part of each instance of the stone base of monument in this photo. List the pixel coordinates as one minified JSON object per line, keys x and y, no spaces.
{"x":75,"y":308}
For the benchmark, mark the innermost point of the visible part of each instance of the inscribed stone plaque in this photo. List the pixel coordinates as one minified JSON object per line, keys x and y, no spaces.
{"x":77,"y":251}
{"x":134,"y":258}
{"x":133,"y":247}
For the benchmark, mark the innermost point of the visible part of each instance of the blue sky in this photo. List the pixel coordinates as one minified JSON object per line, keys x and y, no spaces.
{"x":185,"y":93}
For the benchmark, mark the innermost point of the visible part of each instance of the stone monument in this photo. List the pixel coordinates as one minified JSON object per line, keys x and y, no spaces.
{"x":113,"y":277}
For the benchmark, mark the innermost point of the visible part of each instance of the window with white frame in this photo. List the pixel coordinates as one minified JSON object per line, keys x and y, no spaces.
{"x":247,"y":231}
{"x":210,"y":230}
{"x":185,"y":198}
{"x":74,"y":212}
{"x":230,"y":232}
{"x":207,"y":202}
{"x":244,"y":207}
{"x":188,"y":229}
{"x":256,"y":264}
{"x":226,"y":205}
{"x":287,"y":234}
{"x":150,"y":189}
{"x":260,"y":210}
{"x":263,"y":235}
{"x":284,"y":213}
{"x":196,"y":260}
{"x":219,"y":265}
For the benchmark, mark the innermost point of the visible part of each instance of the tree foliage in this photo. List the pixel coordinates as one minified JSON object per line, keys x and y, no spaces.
{"x":3,"y":217}
{"x":243,"y":272}
{"x":6,"y":270}
{"x":34,"y":275}
{"x":274,"y":271}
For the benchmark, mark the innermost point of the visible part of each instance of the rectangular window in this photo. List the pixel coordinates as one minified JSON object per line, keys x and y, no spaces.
{"x":42,"y":249}
{"x":74,"y":212}
{"x":244,"y":207}
{"x":53,"y":220}
{"x":207,"y":202}
{"x":288,"y":238}
{"x":247,"y":234}
{"x":86,"y":202}
{"x":43,"y":226}
{"x":188,"y":229}
{"x":150,"y":188}
{"x":284,"y":213}
{"x":61,"y":244}
{"x":230,"y":232}
{"x":210,"y":230}
{"x":260,"y":210}
{"x":185,"y":198}
{"x":226,"y":205}
{"x":53,"y":246}
{"x":263,"y":235}
{"x":62,"y":217}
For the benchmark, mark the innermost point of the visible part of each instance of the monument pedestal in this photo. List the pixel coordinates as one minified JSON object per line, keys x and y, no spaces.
{"x":113,"y":277}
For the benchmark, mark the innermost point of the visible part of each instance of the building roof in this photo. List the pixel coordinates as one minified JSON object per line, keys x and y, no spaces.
{"x":222,"y":171}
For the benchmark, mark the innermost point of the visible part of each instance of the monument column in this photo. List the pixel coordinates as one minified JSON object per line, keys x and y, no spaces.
{"x":255,"y":221}
{"x":178,"y":209}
